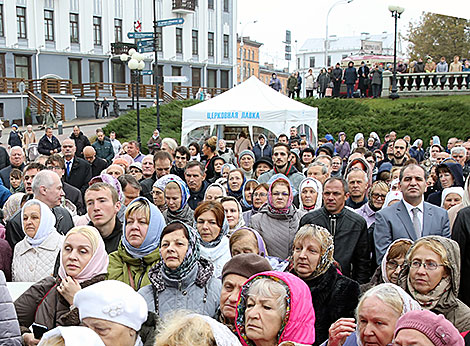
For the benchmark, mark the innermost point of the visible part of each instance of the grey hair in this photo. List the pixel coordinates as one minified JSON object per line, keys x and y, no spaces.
{"x":356,"y":169}
{"x":170,"y":142}
{"x":387,"y":294}
{"x":324,"y":168}
{"x":43,"y":178}
{"x":458,"y":149}
{"x":268,"y":288}
{"x":323,"y":157}
{"x":16,"y":147}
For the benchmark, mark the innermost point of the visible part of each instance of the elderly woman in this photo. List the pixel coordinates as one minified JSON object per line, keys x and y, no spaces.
{"x":275,"y":308}
{"x":158,"y":194}
{"x":451,"y":196}
{"x":213,"y":229}
{"x":248,"y":187}
{"x":34,"y":256}
{"x":218,"y":164}
{"x":278,"y":220}
{"x":391,"y":265}
{"x":214,"y":191}
{"x":83,"y":262}
{"x":376,"y":314}
{"x":377,"y":194}
{"x":12,"y":205}
{"x":69,"y":336}
{"x":115,"y":170}
{"x":182,"y":279}
{"x":258,"y":197}
{"x":114,"y":311}
{"x":176,"y":198}
{"x":138,"y":250}
{"x":235,"y":181}
{"x":432,"y":277}
{"x":233,"y":213}
{"x":225,"y":170}
{"x":310,"y":194}
{"x":248,"y":240}
{"x":391,"y":198}
{"x":333,"y":295}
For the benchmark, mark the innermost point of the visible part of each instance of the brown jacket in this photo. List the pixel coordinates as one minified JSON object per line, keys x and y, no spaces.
{"x":43,"y":304}
{"x":242,"y":144}
{"x":28,"y":139}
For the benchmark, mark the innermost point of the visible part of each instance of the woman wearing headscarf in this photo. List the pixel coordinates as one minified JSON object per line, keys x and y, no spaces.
{"x":225,"y":152}
{"x":34,"y":256}
{"x":214,"y":191}
{"x":310,"y":194}
{"x":376,"y":138}
{"x":465,"y":203}
{"x":359,"y":141}
{"x":138,"y":249}
{"x":333,"y":295}
{"x":248,"y":187}
{"x":83,"y":262}
{"x":182,"y":279}
{"x":235,"y":182}
{"x":432,"y":278}
{"x":278,"y":220}
{"x":12,"y":205}
{"x":233,"y":213}
{"x":275,"y":308}
{"x":213,"y":228}
{"x":451,"y":197}
{"x":226,"y":168}
{"x":258,"y":197}
{"x":71,"y":336}
{"x":376,"y":317}
{"x":176,"y":198}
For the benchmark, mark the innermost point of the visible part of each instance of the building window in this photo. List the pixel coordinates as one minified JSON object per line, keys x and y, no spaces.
{"x":226,"y":46}
{"x":210,"y":44}
{"x":252,"y":71}
{"x":329,"y":61}
{"x":22,"y":66}
{"x":159,"y":39}
{"x":21,"y":21}
{"x":49,"y":25}
{"x":312,"y":61}
{"x":2,"y":30}
{"x":195,"y":40}
{"x":117,"y":30}
{"x":74,"y":28}
{"x":119,"y":72}
{"x":226,"y":5}
{"x":2,"y":65}
{"x":179,"y":40}
{"x":212,"y":78}
{"x":244,"y":53}
{"x":97,"y":31}
{"x":210,"y":4}
{"x":249,"y":70}
{"x":75,"y":71}
{"x":224,"y":76}
{"x":96,"y":71}
{"x":253,"y":55}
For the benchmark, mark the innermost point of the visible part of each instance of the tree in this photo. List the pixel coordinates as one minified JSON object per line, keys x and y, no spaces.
{"x":437,"y":35}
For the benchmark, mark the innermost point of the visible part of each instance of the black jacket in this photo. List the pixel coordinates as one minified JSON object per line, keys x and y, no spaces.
{"x":80,"y":174}
{"x":4,"y":158}
{"x":81,"y":142}
{"x":333,"y":296}
{"x":197,"y":197}
{"x":147,"y":186}
{"x":98,"y":166}
{"x":45,"y":145}
{"x":5,"y":174}
{"x":14,"y":140}
{"x":350,"y":238}
{"x":75,"y":196}
{"x":178,"y":171}
{"x":111,"y":243}
{"x":461,"y":234}
{"x":14,"y":230}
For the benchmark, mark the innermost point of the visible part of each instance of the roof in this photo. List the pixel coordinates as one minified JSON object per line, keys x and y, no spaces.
{"x":346,"y":43}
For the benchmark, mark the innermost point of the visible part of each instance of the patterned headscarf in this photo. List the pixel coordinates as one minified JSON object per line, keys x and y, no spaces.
{"x":12,"y":205}
{"x":285,"y":210}
{"x":191,"y":257}
{"x":183,"y":188}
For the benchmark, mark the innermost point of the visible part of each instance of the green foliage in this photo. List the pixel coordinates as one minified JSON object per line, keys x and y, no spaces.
{"x":437,"y":35}
{"x":27,"y":116}
{"x":170,"y":122}
{"x":423,"y":117}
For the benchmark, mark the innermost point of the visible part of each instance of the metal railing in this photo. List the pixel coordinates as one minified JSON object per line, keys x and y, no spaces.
{"x":35,"y":103}
{"x":188,"y":5}
{"x":57,"y":108}
{"x":112,"y":89}
{"x":190,"y":92}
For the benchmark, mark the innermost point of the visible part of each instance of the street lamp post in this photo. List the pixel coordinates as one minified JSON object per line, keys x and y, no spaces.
{"x":396,"y":13}
{"x":242,"y":74}
{"x":156,"y":78}
{"x":340,"y":2}
{"x":135,"y":61}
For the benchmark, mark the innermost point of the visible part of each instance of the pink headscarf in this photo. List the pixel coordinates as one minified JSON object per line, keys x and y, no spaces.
{"x":98,"y":263}
{"x":277,"y":179}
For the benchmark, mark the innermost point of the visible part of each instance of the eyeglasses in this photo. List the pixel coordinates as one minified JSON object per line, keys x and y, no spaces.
{"x":393,"y":265}
{"x":260,"y":194}
{"x":283,"y":194}
{"x":53,"y":167}
{"x":378,"y":195}
{"x":428,"y":265}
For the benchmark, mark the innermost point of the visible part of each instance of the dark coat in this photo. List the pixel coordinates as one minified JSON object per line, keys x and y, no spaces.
{"x":14,"y":140}
{"x":81,"y":142}
{"x":104,"y":150}
{"x":111,"y":243}
{"x":333,"y":296}
{"x":98,"y":166}
{"x":350,"y":238}
{"x":461,"y":234}
{"x":4,"y":158}
{"x":147,"y":186}
{"x":75,"y":196}
{"x":80,"y":174}
{"x":5,"y":174}
{"x":197,"y":197}
{"x":259,"y":153}
{"x":6,"y":255}
{"x":9,"y":327}
{"x":45,"y":145}
{"x":14,"y":230}
{"x":350,"y":75}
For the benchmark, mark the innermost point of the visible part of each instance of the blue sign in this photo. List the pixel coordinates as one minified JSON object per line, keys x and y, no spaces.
{"x":139,"y":35}
{"x":147,"y":49}
{"x":167,"y":22}
{"x":233,"y":115}
{"x":146,"y":72}
{"x":146,"y":43}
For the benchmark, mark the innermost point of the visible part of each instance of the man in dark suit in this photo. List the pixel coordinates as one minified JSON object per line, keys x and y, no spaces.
{"x":16,"y":161}
{"x":48,"y":144}
{"x":77,"y":170}
{"x":97,"y":164}
{"x":411,"y":218}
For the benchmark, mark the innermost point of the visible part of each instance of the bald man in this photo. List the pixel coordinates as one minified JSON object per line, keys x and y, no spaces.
{"x":16,"y":161}
{"x":77,"y":170}
{"x":97,"y":164}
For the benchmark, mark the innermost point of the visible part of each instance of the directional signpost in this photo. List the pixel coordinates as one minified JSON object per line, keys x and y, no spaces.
{"x":146,"y":72}
{"x":172,"y":21}
{"x":139,"y":35}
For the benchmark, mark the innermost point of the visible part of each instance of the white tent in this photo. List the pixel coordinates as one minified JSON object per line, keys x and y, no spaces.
{"x":251,"y":103}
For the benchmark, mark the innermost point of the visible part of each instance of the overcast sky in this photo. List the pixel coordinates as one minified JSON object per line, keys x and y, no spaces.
{"x":307,"y":19}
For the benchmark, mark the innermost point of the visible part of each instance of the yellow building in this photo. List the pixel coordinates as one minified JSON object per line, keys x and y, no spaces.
{"x":266,"y":71}
{"x":250,"y":52}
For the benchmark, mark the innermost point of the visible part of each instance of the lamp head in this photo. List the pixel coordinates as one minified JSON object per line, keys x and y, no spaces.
{"x":124,"y":57}
{"x":131,"y":51}
{"x":133,"y":64}
{"x":141,"y":65}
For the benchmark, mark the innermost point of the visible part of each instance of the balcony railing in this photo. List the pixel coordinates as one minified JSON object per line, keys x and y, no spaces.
{"x":184,"y":6}
{"x":190,"y":92}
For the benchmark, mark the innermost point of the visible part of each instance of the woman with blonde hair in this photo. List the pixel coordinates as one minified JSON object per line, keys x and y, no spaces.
{"x":49,"y":302}
{"x":209,"y":150}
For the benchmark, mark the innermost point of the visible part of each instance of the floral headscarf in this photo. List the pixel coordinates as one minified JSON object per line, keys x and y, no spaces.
{"x":311,"y":182}
{"x":183,"y":188}
{"x":285,"y":210}
{"x":12,"y":205}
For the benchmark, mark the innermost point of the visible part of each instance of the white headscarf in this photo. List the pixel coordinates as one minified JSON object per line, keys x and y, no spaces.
{"x":311,"y":182}
{"x":454,"y":189}
{"x":46,"y":224}
{"x":222,"y":335}
{"x":392,"y":196}
{"x":73,"y":336}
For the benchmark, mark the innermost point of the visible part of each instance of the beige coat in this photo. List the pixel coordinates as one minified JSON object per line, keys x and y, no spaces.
{"x":28,"y":138}
{"x":242,"y":144}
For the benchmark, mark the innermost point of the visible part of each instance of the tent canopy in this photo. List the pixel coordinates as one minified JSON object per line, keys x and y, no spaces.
{"x":251,"y":103}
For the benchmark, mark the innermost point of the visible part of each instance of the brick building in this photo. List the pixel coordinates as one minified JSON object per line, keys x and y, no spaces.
{"x":250,"y":51}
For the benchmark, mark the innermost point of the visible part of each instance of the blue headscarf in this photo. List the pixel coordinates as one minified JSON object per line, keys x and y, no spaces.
{"x":154,"y":231}
{"x":183,"y":187}
{"x":244,"y":202}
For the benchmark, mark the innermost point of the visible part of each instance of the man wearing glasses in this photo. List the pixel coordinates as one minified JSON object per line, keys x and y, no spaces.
{"x":411,"y":218}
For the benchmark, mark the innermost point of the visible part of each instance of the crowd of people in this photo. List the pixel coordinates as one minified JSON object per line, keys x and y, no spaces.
{"x":285,"y":243}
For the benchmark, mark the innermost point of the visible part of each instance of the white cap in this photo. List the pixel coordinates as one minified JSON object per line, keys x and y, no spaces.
{"x":73,"y":336}
{"x":112,"y":301}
